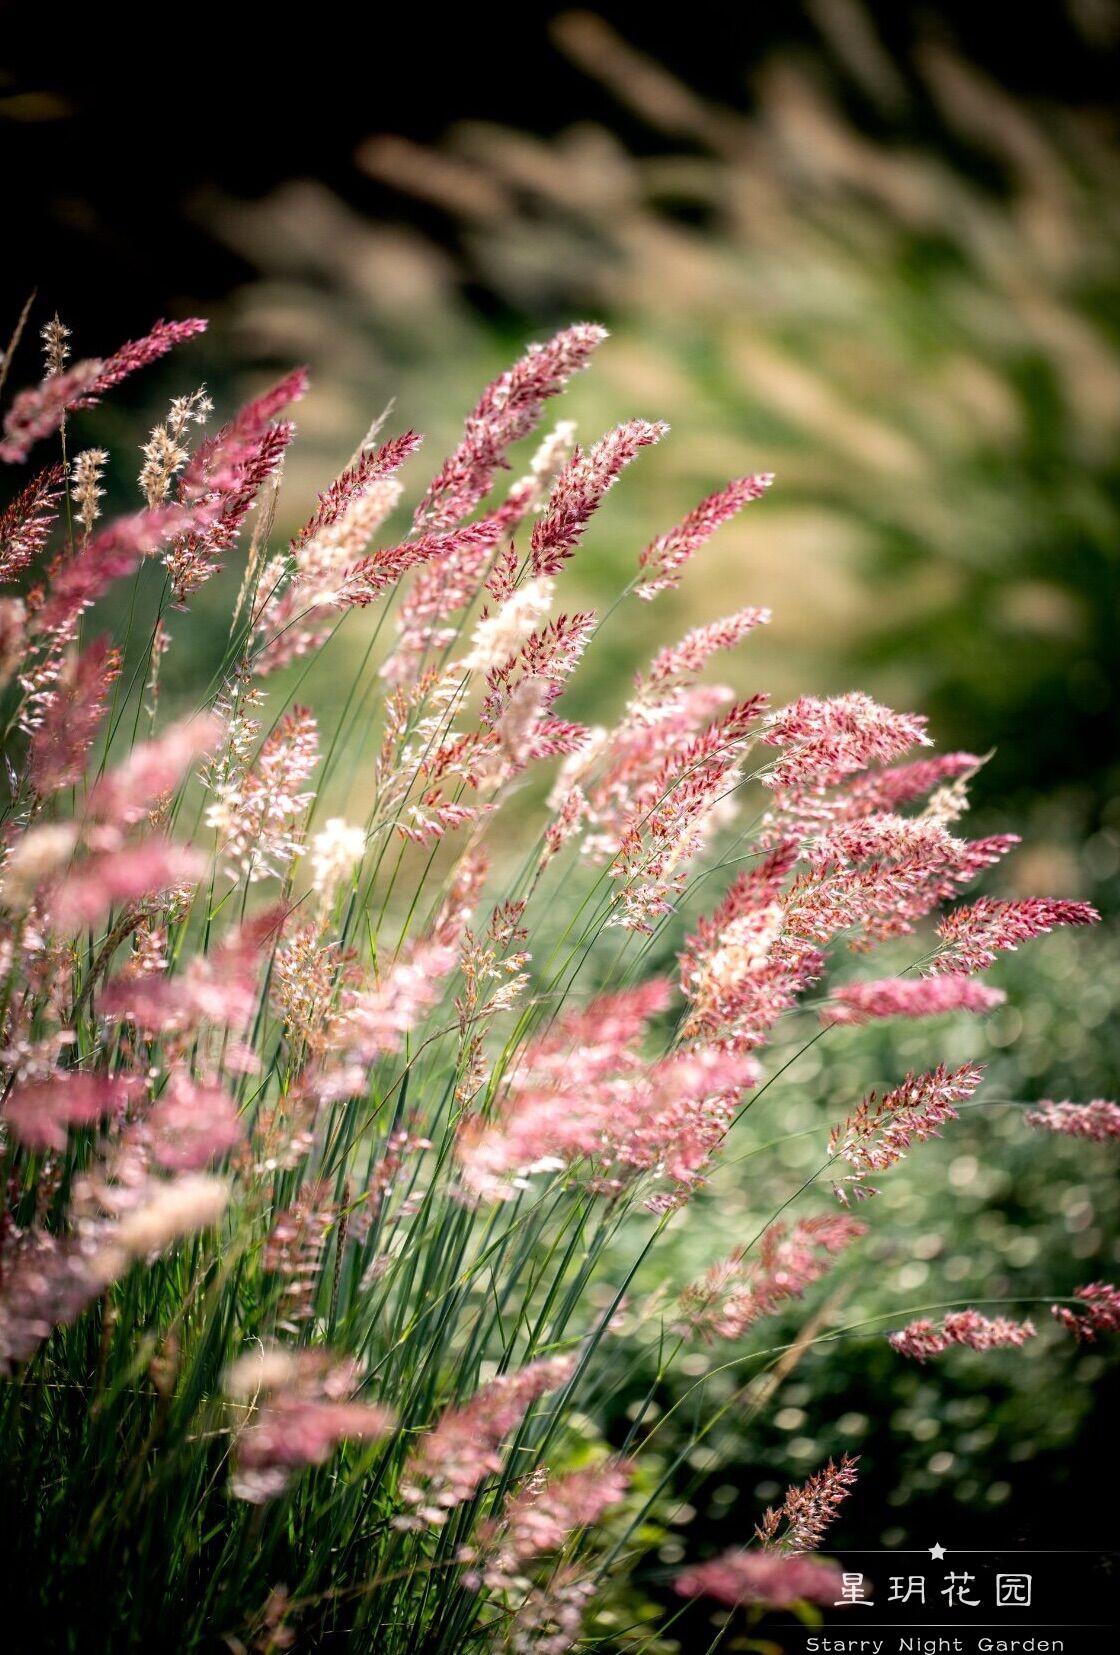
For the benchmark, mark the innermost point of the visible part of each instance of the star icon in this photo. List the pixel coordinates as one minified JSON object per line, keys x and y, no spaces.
{"x":937,"y":1551}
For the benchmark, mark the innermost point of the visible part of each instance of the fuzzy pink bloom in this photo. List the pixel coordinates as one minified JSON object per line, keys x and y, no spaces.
{"x":658,"y":843}
{"x":152,"y":771}
{"x":880,"y":1131}
{"x":521,"y":690}
{"x":191,"y":1124}
{"x":375,"y":1020}
{"x":807,"y":1511}
{"x":371,"y":467}
{"x":879,"y":876}
{"x":301,"y":1411}
{"x":101,"y":881}
{"x":975,"y":934}
{"x":218,"y":462}
{"x":36,"y":412}
{"x":813,"y":806}
{"x":924,"y":1339}
{"x":665,"y":1119}
{"x":295,"y":1433}
{"x":693,"y":651}
{"x":40,"y":409}
{"x":580,"y":488}
{"x":507,"y":411}
{"x":452,"y":1460}
{"x":229,"y":482}
{"x":48,"y":1281}
{"x":256,"y":811}
{"x":70,"y":719}
{"x":1101,"y":1312}
{"x":625,"y":768}
{"x":26,"y":523}
{"x":908,"y":997}
{"x":41,"y":1113}
{"x":737,"y":969}
{"x":734,"y":1294}
{"x":542,"y":1519}
{"x":295,"y":1249}
{"x":220,"y":987}
{"x":452,"y":569}
{"x":766,"y":1577}
{"x":1098,"y":1121}
{"x":79,"y":580}
{"x":903,"y":783}
{"x":664,"y":558}
{"x":826,"y":741}
{"x":595,"y":1041}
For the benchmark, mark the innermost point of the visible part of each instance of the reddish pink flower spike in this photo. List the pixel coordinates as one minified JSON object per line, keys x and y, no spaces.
{"x":377,"y":1019}
{"x":975,"y":934}
{"x":743,"y":1577}
{"x":520,"y":692}
{"x":371,"y":575}
{"x":235,"y":472}
{"x":690,"y":655}
{"x":881,"y":1130}
{"x":826,"y":741}
{"x":664,"y":558}
{"x":215,"y":463}
{"x":734,"y":1294}
{"x":923,"y":1339}
{"x":39,"y":411}
{"x":738,"y":971}
{"x":78,"y":581}
{"x":1100,"y":1313}
{"x":908,"y":997}
{"x":452,"y":1460}
{"x":257,"y":808}
{"x":808,"y":1511}
{"x":26,"y":523}
{"x":60,"y":746}
{"x":507,"y":411}
{"x":41,"y":1113}
{"x":660,"y":838}
{"x":1098,"y":1121}
{"x":887,"y":789}
{"x":372,"y":466}
{"x":601,"y":1037}
{"x":579,"y":489}
{"x":295,"y":1433}
{"x":878,"y":875}
{"x":36,"y":412}
{"x":139,"y":353}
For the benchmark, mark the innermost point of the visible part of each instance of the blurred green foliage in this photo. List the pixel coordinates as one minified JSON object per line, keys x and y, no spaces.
{"x":881,"y":277}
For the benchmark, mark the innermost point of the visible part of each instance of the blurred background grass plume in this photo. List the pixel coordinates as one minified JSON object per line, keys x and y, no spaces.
{"x":872,"y":248}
